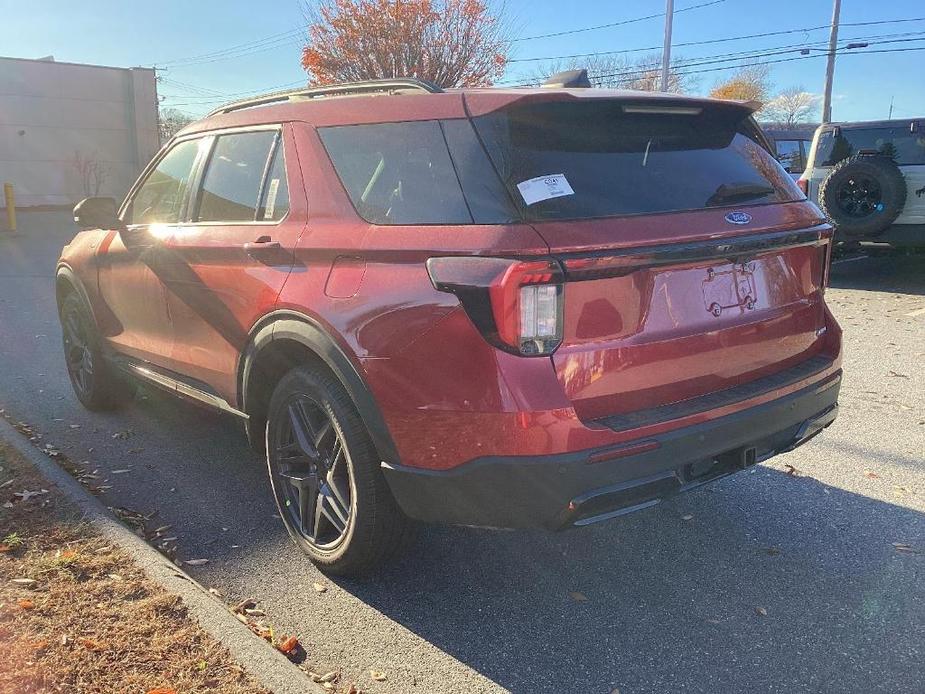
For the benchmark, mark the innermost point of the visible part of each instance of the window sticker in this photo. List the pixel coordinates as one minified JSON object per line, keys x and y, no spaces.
{"x":542,"y":188}
{"x":271,"y":198}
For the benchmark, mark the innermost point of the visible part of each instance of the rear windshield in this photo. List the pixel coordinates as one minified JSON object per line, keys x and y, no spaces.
{"x":568,"y":160}
{"x":553,"y":161}
{"x":897,"y":142}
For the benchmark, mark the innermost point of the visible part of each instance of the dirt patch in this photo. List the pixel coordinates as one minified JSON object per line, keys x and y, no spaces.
{"x":76,"y":615}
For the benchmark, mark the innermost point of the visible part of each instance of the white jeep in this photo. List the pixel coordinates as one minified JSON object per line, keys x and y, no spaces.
{"x":869,"y":179}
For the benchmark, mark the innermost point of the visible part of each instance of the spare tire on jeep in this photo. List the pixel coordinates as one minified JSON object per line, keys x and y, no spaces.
{"x":863,"y":195}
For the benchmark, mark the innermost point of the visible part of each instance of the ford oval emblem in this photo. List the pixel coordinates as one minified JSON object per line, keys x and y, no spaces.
{"x":738,"y":218}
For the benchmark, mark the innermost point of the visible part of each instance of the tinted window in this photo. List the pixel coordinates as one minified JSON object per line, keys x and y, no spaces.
{"x":232,"y":179}
{"x":567,"y":160}
{"x":790,"y":155}
{"x":898,"y":142}
{"x":275,"y":202}
{"x":160,"y":197}
{"x":397,"y":173}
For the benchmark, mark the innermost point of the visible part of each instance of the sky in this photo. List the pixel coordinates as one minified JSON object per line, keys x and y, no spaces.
{"x":260,"y":43}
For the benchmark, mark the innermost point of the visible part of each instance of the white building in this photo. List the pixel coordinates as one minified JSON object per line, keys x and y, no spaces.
{"x":69,"y":130}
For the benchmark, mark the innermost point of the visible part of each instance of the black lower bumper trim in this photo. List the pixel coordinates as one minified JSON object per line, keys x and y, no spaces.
{"x":563,"y":490}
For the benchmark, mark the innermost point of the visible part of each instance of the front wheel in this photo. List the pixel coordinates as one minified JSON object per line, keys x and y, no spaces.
{"x":95,"y":383}
{"x":325,"y":475}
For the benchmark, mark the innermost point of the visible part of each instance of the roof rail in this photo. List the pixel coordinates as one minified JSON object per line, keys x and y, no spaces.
{"x":342,"y":89}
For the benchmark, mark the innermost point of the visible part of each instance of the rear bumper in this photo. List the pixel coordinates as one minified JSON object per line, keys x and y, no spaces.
{"x":583,"y":487}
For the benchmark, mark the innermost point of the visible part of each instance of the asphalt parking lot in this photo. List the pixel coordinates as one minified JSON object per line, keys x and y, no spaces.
{"x":805,"y":574}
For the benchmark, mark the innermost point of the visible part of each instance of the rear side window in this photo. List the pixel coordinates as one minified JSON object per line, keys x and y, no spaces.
{"x":160,"y":197}
{"x":233,"y":176}
{"x":567,"y":160}
{"x":897,"y":142}
{"x":397,"y":173}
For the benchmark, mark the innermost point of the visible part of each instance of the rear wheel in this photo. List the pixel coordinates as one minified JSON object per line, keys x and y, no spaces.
{"x":95,"y":382}
{"x":326,"y":478}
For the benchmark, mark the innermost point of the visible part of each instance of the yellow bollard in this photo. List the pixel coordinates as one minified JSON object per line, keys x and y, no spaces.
{"x":10,"y":206}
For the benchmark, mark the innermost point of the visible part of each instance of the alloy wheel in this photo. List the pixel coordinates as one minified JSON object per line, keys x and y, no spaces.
{"x":860,"y":197}
{"x":77,"y":352}
{"x":316,"y":483}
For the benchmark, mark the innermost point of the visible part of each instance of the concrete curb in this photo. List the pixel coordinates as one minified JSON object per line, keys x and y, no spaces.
{"x":267,"y":665}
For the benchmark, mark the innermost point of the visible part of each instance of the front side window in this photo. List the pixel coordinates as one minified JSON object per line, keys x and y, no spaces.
{"x":897,"y":142}
{"x":232,"y":181}
{"x":160,"y":197}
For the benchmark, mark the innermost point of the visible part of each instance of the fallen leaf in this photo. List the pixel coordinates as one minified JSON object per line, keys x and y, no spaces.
{"x":161,"y":690}
{"x":378,"y":676}
{"x":7,"y":483}
{"x":244,"y":604}
{"x":319,"y":587}
{"x":328,"y":677}
{"x":216,"y":592}
{"x":25,"y":494}
{"x":23,"y":581}
{"x":288,"y":645}
{"x":871,"y":474}
{"x":792,"y":471}
{"x":241,"y":618}
{"x":115,"y":577}
{"x":25,"y":603}
{"x":687,"y":517}
{"x":578,"y":597}
{"x":762,"y":611}
{"x":162,"y":529}
{"x":68,"y":554}
{"x":196,"y":562}
{"x":254,"y":612}
{"x":121,"y":472}
{"x":903,"y":547}
{"x":90,"y":644}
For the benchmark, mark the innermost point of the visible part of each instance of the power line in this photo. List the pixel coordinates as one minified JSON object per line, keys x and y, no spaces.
{"x":273,"y":38}
{"x":711,"y":41}
{"x":616,"y":24}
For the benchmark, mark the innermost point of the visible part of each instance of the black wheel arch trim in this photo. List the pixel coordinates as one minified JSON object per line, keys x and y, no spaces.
{"x":298,"y":327}
{"x":64,"y":273}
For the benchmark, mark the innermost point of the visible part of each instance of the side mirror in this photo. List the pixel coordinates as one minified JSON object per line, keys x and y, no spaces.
{"x":97,"y":213}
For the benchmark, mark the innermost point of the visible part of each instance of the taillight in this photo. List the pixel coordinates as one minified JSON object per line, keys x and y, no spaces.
{"x":515,"y":304}
{"x":803,"y":184}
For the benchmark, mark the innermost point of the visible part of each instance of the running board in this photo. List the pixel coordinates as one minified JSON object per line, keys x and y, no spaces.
{"x":174,"y":385}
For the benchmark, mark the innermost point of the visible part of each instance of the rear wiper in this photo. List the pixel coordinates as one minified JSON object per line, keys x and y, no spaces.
{"x":738,"y":192}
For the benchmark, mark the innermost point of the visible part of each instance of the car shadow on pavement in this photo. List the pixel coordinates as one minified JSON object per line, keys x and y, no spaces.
{"x":902,"y":274}
{"x":764,"y":582}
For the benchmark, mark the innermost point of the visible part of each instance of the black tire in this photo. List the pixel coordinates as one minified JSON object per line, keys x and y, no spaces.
{"x":335,"y":458}
{"x":863,"y":195}
{"x":95,"y":381}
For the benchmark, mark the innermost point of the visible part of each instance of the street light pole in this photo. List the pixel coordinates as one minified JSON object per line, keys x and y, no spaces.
{"x":666,"y":50}
{"x":830,"y":64}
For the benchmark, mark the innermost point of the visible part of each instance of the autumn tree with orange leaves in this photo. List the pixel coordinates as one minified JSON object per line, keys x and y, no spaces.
{"x":452,"y":43}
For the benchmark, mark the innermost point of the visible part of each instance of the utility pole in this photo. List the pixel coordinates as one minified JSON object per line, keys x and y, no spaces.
{"x":890,"y":117}
{"x":666,"y":50}
{"x":830,"y":64}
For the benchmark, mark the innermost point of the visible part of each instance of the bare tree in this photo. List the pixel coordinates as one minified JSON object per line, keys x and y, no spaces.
{"x":91,"y":172}
{"x":451,"y":43}
{"x":171,"y":121}
{"x":792,"y":106}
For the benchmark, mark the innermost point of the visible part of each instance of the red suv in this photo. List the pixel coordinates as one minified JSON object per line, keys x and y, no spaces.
{"x":493,"y":307}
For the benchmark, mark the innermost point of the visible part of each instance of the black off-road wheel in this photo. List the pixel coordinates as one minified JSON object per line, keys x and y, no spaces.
{"x":326,"y":478}
{"x":95,"y":381}
{"x":862,"y":196}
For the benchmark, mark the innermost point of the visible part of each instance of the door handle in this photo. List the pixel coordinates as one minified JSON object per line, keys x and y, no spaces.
{"x":262,"y":244}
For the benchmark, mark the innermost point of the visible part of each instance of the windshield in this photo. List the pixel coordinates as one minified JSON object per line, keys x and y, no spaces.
{"x":566,"y":160}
